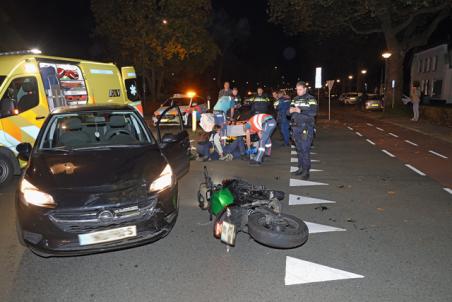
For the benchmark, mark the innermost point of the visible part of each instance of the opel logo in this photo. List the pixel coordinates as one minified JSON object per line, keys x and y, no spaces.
{"x":105,"y":215}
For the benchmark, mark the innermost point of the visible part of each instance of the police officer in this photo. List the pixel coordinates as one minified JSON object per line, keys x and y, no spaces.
{"x":260,"y":103}
{"x":302,"y":112}
{"x":282,"y":105}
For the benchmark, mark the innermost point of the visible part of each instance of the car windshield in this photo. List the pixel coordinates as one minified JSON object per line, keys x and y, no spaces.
{"x":177,"y":101}
{"x":93,"y":130}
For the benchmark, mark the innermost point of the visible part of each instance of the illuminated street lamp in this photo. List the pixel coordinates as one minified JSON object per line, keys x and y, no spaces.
{"x":338,"y":80}
{"x":386,"y":55}
{"x":164,"y":22}
{"x":350,"y":77}
{"x":364,"y":71}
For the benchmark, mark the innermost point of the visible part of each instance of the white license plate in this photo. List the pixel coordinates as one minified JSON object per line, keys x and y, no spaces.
{"x":228,"y":233}
{"x":107,"y":235}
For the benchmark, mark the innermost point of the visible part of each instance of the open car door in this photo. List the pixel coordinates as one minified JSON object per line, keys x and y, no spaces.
{"x":175,"y":143}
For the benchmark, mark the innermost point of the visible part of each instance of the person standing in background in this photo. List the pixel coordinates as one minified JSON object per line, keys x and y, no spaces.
{"x":415,"y":96}
{"x":226,"y":91}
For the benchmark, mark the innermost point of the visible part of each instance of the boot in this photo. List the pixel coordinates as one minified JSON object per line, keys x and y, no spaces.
{"x":298,"y":172}
{"x":305,"y":175}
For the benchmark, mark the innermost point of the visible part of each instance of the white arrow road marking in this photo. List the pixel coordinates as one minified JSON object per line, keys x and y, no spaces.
{"x":392,"y":134}
{"x":380,"y":129}
{"x":293,"y":169}
{"x":415,"y":170}
{"x":448,"y":190}
{"x":410,"y":142}
{"x":304,"y":183}
{"x":369,"y":124}
{"x":359,"y":134}
{"x":315,"y":228}
{"x":388,"y":153}
{"x":295,"y":160}
{"x":301,"y":272}
{"x":370,"y":142}
{"x":304,"y":200}
{"x":437,"y":154}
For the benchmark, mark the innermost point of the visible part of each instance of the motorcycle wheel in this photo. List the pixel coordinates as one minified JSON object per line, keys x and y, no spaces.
{"x":285,"y":231}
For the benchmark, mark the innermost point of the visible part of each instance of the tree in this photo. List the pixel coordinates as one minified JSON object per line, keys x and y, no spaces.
{"x":405,"y":24}
{"x":159,"y":37}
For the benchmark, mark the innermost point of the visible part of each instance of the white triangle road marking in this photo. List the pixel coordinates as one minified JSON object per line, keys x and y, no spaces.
{"x":292,"y":146}
{"x":301,"y":272}
{"x":448,"y":190}
{"x":293,"y":169}
{"x":315,"y":228}
{"x":303,"y":200}
{"x":295,"y":160}
{"x":304,"y":183}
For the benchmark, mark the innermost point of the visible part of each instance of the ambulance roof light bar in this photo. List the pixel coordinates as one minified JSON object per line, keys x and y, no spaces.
{"x":34,"y":51}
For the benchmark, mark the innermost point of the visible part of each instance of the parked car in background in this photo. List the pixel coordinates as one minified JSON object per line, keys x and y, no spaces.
{"x":371,"y":102}
{"x":350,"y":98}
{"x":188,"y":104}
{"x":98,"y":180}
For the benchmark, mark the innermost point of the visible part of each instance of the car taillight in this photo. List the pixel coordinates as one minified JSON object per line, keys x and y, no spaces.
{"x":217,"y":229}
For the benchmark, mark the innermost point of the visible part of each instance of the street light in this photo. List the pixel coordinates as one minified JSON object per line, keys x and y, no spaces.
{"x":386,"y":55}
{"x":350,"y":77}
{"x":165,"y":22}
{"x":364,"y":71}
{"x":338,"y":80}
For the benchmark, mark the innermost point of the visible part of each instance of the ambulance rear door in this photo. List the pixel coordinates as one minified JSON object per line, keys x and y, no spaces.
{"x":130,"y":85}
{"x":104,"y":83}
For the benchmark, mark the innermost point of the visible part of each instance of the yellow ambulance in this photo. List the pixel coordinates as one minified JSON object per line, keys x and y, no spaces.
{"x":32,"y":85}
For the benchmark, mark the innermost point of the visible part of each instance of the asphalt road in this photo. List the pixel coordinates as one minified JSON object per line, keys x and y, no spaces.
{"x":391,"y":228}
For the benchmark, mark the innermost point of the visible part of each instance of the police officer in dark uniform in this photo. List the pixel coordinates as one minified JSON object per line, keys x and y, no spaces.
{"x":282,"y":105}
{"x":260,"y":103}
{"x":302,"y":112}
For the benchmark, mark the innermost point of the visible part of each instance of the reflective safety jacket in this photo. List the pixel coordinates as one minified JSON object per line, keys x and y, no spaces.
{"x":257,"y":120}
{"x":308,"y":106}
{"x":260,"y":104}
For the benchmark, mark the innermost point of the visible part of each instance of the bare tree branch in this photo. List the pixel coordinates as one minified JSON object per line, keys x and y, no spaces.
{"x":427,"y":10}
{"x":364,"y":32}
{"x":423,"y":38}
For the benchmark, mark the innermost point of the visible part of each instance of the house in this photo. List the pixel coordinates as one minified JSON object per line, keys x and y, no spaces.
{"x":432,"y":69}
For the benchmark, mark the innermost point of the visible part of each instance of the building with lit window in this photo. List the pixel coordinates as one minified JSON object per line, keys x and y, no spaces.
{"x":432,"y":69}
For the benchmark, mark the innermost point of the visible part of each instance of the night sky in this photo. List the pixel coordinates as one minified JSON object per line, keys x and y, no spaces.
{"x":64,"y":28}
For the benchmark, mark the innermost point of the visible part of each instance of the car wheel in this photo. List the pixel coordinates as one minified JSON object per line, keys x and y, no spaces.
{"x":6,"y":170}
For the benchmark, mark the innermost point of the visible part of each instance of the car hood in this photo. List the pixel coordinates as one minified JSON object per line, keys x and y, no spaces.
{"x":172,"y":111}
{"x":78,"y":174}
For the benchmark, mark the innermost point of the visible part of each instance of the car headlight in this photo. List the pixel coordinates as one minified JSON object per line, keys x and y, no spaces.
{"x":32,"y":195}
{"x":164,"y":181}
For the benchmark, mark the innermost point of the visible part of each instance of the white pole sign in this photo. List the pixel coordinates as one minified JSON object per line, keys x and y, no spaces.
{"x":318,"y":77}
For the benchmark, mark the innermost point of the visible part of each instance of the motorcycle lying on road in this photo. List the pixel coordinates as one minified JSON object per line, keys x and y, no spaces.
{"x":239,"y":206}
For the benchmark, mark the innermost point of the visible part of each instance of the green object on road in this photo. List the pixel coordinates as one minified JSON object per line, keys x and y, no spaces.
{"x":220,"y":200}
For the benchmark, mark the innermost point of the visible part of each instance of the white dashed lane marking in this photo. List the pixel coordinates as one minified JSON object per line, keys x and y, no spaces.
{"x":293,"y":169}
{"x":380,"y":129}
{"x":370,"y":142}
{"x":359,"y":134}
{"x":438,"y":154}
{"x":392,"y":134}
{"x":448,"y":190}
{"x":411,"y":143}
{"x":369,"y":124}
{"x":415,"y":170}
{"x":350,"y":128}
{"x":388,"y":153}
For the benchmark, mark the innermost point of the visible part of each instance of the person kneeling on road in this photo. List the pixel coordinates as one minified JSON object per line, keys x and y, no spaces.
{"x":263,"y":125}
{"x":212,"y":148}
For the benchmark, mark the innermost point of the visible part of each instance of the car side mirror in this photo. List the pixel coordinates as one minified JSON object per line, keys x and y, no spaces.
{"x":168,"y":138}
{"x":24,"y":150}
